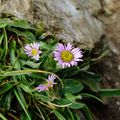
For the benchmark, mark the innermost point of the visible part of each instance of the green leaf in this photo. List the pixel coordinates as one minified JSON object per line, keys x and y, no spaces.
{"x":109,"y":92}
{"x":26,"y":80}
{"x":2,"y":117}
{"x":26,"y":88}
{"x":63,"y":101}
{"x":43,"y":98}
{"x":13,"y":59}
{"x":68,"y":72}
{"x":8,"y":100}
{"x":25,"y":33}
{"x":71,"y":97}
{"x":22,"y":104}
{"x":59,"y":115}
{"x":69,"y":104}
{"x":5,"y":22}
{"x":71,"y":115}
{"x":44,"y":45}
{"x":23,"y":72}
{"x":91,"y":96}
{"x":1,"y":38}
{"x":74,"y":71}
{"x":23,"y":116}
{"x":21,"y":24}
{"x":84,"y":66}
{"x":87,"y":113}
{"x":5,"y":50}
{"x":91,"y":80}
{"x":92,"y":76}
{"x":6,"y":87}
{"x":76,"y":105}
{"x":72,"y":86}
{"x":40,"y":112}
{"x":3,"y":25}
{"x":30,"y":64}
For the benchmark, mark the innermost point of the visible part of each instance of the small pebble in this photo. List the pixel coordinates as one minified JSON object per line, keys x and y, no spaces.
{"x":117,"y":84}
{"x":119,"y":67}
{"x":118,"y":103}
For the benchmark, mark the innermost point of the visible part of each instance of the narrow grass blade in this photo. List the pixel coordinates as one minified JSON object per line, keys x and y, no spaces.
{"x":87,"y":113}
{"x":21,"y":103}
{"x":2,"y":117}
{"x":59,"y":115}
{"x":91,"y":96}
{"x":109,"y":92}
{"x":28,"y":71}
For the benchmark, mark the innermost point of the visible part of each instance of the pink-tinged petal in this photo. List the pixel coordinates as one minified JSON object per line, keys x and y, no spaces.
{"x":32,"y":45}
{"x":77,"y":60}
{"x":60,"y":47}
{"x":39,"y":52}
{"x":50,"y":81}
{"x":75,"y":50}
{"x":63,"y":65}
{"x":72,"y":63}
{"x":56,"y":59}
{"x":51,"y":77}
{"x":60,"y":62}
{"x":75,"y":63}
{"x":78,"y":55}
{"x":27,"y":48}
{"x":67,"y":64}
{"x":57,"y":54}
{"x":37,"y":46}
{"x":80,"y":60}
{"x":41,"y":88}
{"x":69,"y":46}
{"x":37,"y":57}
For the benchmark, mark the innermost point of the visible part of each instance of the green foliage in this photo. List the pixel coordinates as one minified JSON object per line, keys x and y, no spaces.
{"x":20,"y":75}
{"x":109,"y":92}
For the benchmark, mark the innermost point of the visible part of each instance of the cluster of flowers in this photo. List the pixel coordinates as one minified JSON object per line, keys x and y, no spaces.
{"x":65,"y":55}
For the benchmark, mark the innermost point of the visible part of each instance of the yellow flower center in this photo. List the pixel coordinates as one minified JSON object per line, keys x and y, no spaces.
{"x":34,"y":52}
{"x":67,"y":56}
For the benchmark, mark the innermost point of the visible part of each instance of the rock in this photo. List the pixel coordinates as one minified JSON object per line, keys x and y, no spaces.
{"x":109,"y":6}
{"x":112,"y":27}
{"x":71,"y":20}
{"x":19,"y":8}
{"x":92,"y":6}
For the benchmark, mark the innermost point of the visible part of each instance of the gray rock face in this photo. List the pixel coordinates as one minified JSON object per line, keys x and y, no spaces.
{"x":19,"y":8}
{"x":70,"y":20}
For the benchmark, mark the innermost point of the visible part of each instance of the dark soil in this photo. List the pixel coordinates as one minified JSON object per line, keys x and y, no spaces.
{"x":111,"y":79}
{"x":110,"y":66}
{"x":109,"y":69}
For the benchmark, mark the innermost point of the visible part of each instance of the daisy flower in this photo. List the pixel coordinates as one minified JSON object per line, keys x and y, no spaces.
{"x":67,"y":55}
{"x":32,"y":50}
{"x":49,"y":84}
